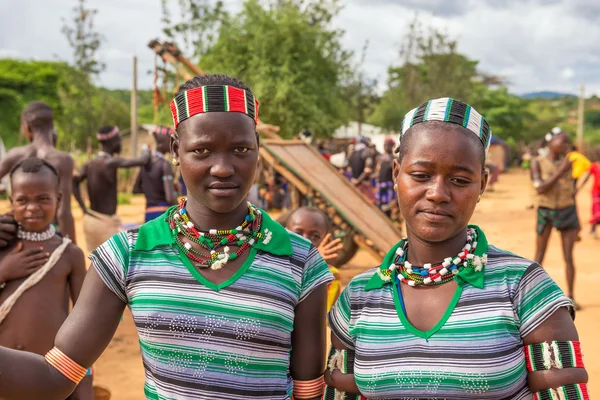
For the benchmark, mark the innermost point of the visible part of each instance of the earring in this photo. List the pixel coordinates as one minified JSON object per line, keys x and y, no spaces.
{"x":479,"y":199}
{"x":395,"y":187}
{"x":175,"y":162}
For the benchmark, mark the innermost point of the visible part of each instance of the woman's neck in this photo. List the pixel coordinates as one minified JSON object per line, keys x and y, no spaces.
{"x":421,"y":252}
{"x":205,"y":218}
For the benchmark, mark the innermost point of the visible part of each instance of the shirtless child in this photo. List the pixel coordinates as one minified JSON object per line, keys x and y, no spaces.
{"x":37,"y":125}
{"x":31,"y":313}
{"x":100,"y":221}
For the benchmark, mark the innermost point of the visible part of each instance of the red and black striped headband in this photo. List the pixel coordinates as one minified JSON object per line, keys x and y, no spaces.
{"x":213,"y":98}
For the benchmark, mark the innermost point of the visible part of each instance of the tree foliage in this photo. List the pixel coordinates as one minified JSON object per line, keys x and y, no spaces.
{"x":83,"y":39}
{"x":288,"y":54}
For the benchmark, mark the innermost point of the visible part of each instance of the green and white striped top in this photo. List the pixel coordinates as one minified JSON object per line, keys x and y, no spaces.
{"x":205,"y":341}
{"x":474,"y":352}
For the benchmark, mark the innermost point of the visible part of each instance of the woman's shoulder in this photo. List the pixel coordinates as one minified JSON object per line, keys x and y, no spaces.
{"x":359,"y":282}
{"x":504,"y":263}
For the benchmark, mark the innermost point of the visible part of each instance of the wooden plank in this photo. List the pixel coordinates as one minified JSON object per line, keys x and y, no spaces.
{"x":366,"y":219}
{"x":301,"y":186}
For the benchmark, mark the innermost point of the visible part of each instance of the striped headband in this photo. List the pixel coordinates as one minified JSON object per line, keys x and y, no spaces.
{"x":451,"y":111}
{"x":108,"y":135}
{"x":164,"y":130}
{"x":213,"y":99}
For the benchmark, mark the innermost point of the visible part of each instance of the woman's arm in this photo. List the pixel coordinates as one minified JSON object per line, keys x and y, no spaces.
{"x":558,"y":327}
{"x":83,"y":337}
{"x":309,"y":337}
{"x":336,"y":379}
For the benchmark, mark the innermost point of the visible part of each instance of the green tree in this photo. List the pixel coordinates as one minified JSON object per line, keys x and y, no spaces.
{"x":360,"y":92}
{"x":84,"y":41}
{"x":507,"y":114}
{"x":431,"y":68}
{"x":287,"y":52}
{"x":22,"y":82}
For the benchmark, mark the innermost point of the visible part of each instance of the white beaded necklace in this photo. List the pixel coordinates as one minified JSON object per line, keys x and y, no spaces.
{"x":37,"y":236}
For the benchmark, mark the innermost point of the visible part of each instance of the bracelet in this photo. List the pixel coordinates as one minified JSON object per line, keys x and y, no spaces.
{"x":309,"y":389}
{"x":69,"y":368}
{"x":576,"y":391}
{"x":557,"y":354}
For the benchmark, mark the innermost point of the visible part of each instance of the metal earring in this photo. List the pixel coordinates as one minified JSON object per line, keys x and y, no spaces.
{"x":175,"y":162}
{"x":479,"y":199}
{"x":395,"y":187}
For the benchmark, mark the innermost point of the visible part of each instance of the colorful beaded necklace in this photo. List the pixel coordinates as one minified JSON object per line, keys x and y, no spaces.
{"x":216,"y":241}
{"x":440,"y":273}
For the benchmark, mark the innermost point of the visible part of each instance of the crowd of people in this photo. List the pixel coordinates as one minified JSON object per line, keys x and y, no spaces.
{"x":229,"y":304}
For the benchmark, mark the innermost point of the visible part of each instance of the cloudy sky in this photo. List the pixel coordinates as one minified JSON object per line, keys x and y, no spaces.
{"x":535,"y":44}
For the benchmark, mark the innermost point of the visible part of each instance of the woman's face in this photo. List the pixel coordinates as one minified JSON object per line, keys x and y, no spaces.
{"x":439,"y":180}
{"x":218,"y":154}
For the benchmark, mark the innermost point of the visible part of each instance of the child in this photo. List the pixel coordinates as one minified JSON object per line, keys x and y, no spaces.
{"x":39,"y":271}
{"x":314,"y":225}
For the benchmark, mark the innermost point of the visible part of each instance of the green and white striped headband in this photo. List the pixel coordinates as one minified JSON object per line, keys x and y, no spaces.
{"x":451,"y":111}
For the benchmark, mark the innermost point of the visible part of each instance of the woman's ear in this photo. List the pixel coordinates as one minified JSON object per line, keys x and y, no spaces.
{"x":485,"y":176}
{"x":174,"y":147}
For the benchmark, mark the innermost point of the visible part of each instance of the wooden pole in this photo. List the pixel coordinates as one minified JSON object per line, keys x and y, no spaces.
{"x":134,"y":121}
{"x":580,"y":119}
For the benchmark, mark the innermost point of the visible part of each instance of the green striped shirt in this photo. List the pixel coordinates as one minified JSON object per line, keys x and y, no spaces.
{"x":474,"y":352}
{"x":205,"y":341}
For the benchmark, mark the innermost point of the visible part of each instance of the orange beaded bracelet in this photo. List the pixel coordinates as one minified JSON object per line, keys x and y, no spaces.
{"x":69,"y":368}
{"x":309,"y":389}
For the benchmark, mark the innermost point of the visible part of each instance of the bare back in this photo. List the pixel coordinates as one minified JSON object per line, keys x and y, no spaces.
{"x":36,"y":317}
{"x":102,"y":185}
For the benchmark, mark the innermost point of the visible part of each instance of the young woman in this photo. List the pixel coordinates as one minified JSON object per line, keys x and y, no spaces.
{"x":448,"y":316}
{"x":227,"y":303}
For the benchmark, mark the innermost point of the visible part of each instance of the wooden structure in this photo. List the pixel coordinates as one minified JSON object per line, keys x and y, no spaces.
{"x":313,"y":179}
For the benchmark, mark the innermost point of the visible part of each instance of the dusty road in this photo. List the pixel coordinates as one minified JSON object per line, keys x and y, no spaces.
{"x":507,"y":223}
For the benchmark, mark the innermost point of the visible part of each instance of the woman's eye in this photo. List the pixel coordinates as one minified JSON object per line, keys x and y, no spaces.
{"x":419,"y":177}
{"x":241,"y":150}
{"x":201,"y":151}
{"x":461,"y":182}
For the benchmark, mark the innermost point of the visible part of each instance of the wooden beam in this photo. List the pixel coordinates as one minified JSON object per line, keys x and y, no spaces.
{"x":287,"y":174}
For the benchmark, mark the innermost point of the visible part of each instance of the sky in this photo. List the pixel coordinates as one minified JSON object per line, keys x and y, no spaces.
{"x":534,"y":44}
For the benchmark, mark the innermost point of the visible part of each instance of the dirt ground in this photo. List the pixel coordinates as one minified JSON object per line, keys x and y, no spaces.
{"x":508,"y":224}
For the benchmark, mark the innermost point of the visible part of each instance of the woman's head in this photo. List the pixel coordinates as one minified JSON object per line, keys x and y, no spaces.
{"x":216,"y":142}
{"x":440,"y":168}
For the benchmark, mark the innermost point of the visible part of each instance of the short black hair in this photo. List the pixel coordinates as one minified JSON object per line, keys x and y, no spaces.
{"x":212,"y":79}
{"x":38,"y":116}
{"x":315,"y":210}
{"x":34,"y":165}
{"x":405,"y":139}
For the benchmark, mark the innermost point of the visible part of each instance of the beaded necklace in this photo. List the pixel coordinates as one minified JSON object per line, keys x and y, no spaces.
{"x":440,"y":273}
{"x":216,"y":241}
{"x":36,"y":236}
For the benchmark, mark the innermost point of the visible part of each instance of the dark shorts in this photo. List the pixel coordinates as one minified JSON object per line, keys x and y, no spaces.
{"x":562,"y":219}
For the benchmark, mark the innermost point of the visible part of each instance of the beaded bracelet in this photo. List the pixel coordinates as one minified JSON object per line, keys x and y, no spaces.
{"x":69,"y":368}
{"x":309,"y":389}
{"x":342,"y":360}
{"x":576,"y":391}
{"x":557,"y":354}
